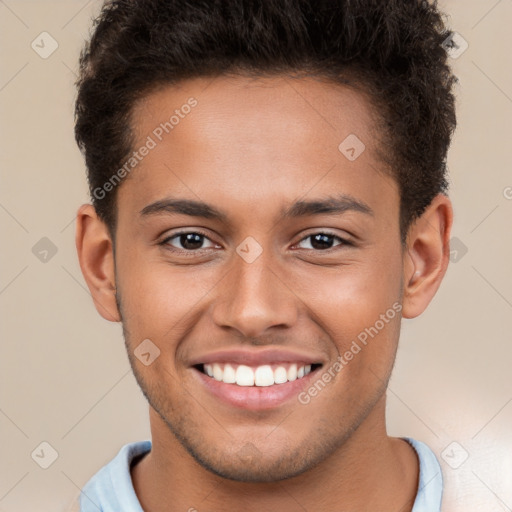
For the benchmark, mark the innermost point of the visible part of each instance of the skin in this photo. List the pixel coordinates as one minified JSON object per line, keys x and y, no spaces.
{"x":250,"y":148}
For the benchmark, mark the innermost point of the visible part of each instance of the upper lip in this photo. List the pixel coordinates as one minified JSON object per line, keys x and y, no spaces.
{"x":256,"y":357}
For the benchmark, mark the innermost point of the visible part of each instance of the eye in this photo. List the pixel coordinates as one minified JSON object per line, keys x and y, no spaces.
{"x":188,"y":241}
{"x":322,"y":241}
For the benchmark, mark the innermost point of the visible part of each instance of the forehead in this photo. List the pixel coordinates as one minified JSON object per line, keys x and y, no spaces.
{"x":255,"y":109}
{"x":247,"y":140}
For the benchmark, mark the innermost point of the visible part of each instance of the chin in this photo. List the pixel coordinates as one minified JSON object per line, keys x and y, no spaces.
{"x":251,"y":469}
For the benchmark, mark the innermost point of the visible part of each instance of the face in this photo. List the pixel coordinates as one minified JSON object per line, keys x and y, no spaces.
{"x":286,"y":268}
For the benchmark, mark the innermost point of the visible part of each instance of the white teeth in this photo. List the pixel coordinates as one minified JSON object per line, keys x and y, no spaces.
{"x":280,"y":376}
{"x":261,"y":376}
{"x":264,"y":376}
{"x":292,"y":372}
{"x":244,"y":376}
{"x":229,"y":374}
{"x":217,"y":372}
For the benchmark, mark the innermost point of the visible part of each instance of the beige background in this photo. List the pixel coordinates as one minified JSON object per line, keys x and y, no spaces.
{"x":65,"y":377}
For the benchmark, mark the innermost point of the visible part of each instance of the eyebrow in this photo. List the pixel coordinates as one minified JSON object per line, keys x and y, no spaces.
{"x":329,"y":205}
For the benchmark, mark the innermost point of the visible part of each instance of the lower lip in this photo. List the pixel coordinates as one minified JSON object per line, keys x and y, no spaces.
{"x":255,"y":398}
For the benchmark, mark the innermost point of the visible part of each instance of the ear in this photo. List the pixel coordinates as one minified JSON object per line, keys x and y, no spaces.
{"x":96,"y":257}
{"x":426,"y":256}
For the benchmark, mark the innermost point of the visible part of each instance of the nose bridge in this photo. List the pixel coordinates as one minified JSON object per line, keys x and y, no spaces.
{"x":252,"y":298}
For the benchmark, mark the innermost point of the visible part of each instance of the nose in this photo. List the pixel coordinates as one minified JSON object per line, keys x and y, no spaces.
{"x":253,"y":298}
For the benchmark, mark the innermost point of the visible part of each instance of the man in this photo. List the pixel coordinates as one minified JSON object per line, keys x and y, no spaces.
{"x":268,"y":186}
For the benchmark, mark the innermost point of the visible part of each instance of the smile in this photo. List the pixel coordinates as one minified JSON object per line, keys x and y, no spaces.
{"x":255,"y":379}
{"x":262,"y":376}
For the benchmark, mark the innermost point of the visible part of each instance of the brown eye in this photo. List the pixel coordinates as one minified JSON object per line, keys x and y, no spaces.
{"x":322,"y":241}
{"x":188,"y":241}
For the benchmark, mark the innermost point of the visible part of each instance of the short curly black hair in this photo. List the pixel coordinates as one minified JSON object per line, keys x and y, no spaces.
{"x":392,"y":50}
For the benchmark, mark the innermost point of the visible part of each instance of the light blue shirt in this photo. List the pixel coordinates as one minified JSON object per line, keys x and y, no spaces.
{"x":111,"y":488}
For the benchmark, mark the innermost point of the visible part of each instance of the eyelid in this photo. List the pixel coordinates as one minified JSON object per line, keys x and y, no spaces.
{"x":197,"y":231}
{"x":344,"y":240}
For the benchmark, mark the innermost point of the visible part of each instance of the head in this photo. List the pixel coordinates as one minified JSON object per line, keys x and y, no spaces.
{"x":265,"y":176}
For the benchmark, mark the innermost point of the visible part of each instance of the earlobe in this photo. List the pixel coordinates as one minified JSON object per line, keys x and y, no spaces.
{"x":427,"y":256}
{"x":95,"y":254}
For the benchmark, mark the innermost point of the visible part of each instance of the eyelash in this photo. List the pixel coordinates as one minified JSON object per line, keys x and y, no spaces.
{"x":165,"y":242}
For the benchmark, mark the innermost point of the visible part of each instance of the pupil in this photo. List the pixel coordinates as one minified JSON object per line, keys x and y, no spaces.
{"x":191,"y":241}
{"x":321,"y":241}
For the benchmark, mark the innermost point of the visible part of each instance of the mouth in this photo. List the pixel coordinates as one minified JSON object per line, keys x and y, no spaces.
{"x":267,"y":375}
{"x":263,"y":387}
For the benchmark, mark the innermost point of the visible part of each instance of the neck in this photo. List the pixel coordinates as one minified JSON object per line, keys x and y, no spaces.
{"x":369,"y":471}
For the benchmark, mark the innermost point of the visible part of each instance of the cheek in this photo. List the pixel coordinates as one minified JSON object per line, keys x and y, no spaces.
{"x":353,"y":295}
{"x":157,"y":297}
{"x":359,"y":307}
